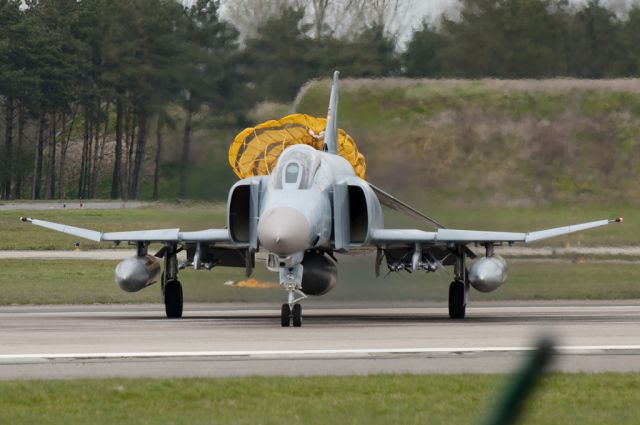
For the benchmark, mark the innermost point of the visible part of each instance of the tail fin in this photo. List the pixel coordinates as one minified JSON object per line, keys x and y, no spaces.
{"x":331,"y":132}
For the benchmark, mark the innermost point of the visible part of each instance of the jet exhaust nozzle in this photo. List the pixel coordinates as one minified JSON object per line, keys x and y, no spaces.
{"x":136,"y":273}
{"x":488,"y":273}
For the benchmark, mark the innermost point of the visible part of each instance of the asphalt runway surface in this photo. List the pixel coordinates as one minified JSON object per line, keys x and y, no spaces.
{"x":239,"y":339}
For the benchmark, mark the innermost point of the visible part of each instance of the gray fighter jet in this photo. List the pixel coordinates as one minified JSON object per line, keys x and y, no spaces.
{"x":309,"y":208}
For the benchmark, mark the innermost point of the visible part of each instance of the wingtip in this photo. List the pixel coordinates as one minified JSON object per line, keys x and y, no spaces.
{"x":617,"y":220}
{"x":25,"y":219}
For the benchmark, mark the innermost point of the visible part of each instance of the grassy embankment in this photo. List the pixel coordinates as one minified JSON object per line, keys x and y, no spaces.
{"x":494,"y":142}
{"x":433,"y":399}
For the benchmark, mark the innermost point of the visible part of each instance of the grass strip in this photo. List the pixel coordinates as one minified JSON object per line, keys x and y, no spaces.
{"x":87,"y":282}
{"x":381,"y":399}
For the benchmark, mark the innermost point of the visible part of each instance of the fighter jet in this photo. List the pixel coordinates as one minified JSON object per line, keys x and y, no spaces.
{"x":311,"y":207}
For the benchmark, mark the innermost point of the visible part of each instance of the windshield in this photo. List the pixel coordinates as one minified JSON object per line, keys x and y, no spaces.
{"x":296,"y":167}
{"x":292,"y":172}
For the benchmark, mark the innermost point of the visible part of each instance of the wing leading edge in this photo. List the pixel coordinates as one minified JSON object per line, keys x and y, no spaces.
{"x":160,"y":235}
{"x":401,"y":236}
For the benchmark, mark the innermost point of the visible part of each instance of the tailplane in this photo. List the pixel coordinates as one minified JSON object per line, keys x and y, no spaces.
{"x":331,"y":132}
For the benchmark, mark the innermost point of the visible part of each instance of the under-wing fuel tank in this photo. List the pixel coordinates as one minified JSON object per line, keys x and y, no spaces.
{"x":136,"y":273}
{"x":488,"y":273}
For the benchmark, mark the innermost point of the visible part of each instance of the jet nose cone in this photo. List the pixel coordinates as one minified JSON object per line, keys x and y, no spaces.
{"x":284,"y":231}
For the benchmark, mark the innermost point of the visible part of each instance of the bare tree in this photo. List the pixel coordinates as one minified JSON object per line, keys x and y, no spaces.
{"x":21,"y":126}
{"x":323,"y":11}
{"x":50,"y":178}
{"x":390,"y":15}
{"x":319,"y":15}
{"x":5,"y":192}
{"x":348,"y":17}
{"x":339,"y":17}
{"x":248,"y":15}
{"x":37,"y":163}
{"x":156,"y":173}
{"x":66,"y":138}
{"x":116,"y":179}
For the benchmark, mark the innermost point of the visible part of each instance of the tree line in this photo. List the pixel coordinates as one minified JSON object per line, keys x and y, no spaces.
{"x":111,"y":77}
{"x":528,"y":39}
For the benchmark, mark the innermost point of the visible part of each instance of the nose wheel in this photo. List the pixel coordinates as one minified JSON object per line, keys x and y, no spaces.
{"x":290,"y":315}
{"x":285,"y":315}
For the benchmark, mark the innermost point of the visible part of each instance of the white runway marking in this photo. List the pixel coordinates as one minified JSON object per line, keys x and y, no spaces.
{"x":282,"y":354}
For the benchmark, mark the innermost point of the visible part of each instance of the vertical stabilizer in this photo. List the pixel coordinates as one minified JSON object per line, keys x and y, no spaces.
{"x":331,"y":132}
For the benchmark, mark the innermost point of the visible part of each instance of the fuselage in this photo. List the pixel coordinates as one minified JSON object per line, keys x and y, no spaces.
{"x":296,"y":206}
{"x":296,"y":211}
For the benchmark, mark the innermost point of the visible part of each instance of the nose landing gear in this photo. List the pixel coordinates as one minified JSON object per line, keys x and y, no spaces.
{"x":291,"y":281}
{"x":292,"y":311}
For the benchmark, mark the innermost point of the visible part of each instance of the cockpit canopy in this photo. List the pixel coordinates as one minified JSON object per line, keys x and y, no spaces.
{"x":296,"y":168}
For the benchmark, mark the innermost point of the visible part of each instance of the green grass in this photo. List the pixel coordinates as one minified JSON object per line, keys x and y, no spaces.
{"x":87,"y":282}
{"x":384,"y":399}
{"x":523,"y":219}
{"x":17,"y":235}
{"x":189,"y":216}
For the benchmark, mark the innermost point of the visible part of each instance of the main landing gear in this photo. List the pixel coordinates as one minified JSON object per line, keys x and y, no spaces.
{"x":457,"y":302}
{"x":171,"y":286}
{"x":173,"y":299}
{"x":459,"y":289}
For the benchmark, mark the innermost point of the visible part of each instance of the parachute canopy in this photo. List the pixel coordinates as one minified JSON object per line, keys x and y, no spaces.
{"x":255,"y":151}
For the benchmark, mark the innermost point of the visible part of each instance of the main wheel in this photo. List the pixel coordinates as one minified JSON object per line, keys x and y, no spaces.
{"x":285,"y":315}
{"x":297,"y":315}
{"x":457,"y":306}
{"x":173,"y":299}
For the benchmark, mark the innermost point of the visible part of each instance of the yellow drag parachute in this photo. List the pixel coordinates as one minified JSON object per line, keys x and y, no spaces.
{"x":255,"y":151}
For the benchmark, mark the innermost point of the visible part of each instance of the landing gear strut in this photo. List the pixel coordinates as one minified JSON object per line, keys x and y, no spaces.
{"x":171,"y":286}
{"x":459,"y":289}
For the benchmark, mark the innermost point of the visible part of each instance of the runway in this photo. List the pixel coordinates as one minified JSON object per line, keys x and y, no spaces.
{"x":241,"y":339}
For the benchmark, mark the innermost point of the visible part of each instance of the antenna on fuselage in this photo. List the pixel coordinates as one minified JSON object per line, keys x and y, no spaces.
{"x":331,"y":132}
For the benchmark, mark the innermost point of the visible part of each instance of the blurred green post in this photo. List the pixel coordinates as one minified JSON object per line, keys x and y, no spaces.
{"x":510,"y":405}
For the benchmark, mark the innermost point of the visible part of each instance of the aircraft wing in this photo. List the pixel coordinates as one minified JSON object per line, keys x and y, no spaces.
{"x":160,"y":235}
{"x":391,"y":237}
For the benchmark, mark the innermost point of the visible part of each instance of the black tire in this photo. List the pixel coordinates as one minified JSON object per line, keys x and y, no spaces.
{"x":297,"y":315}
{"x":285,"y":315}
{"x":457,"y":306}
{"x":173,"y":299}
